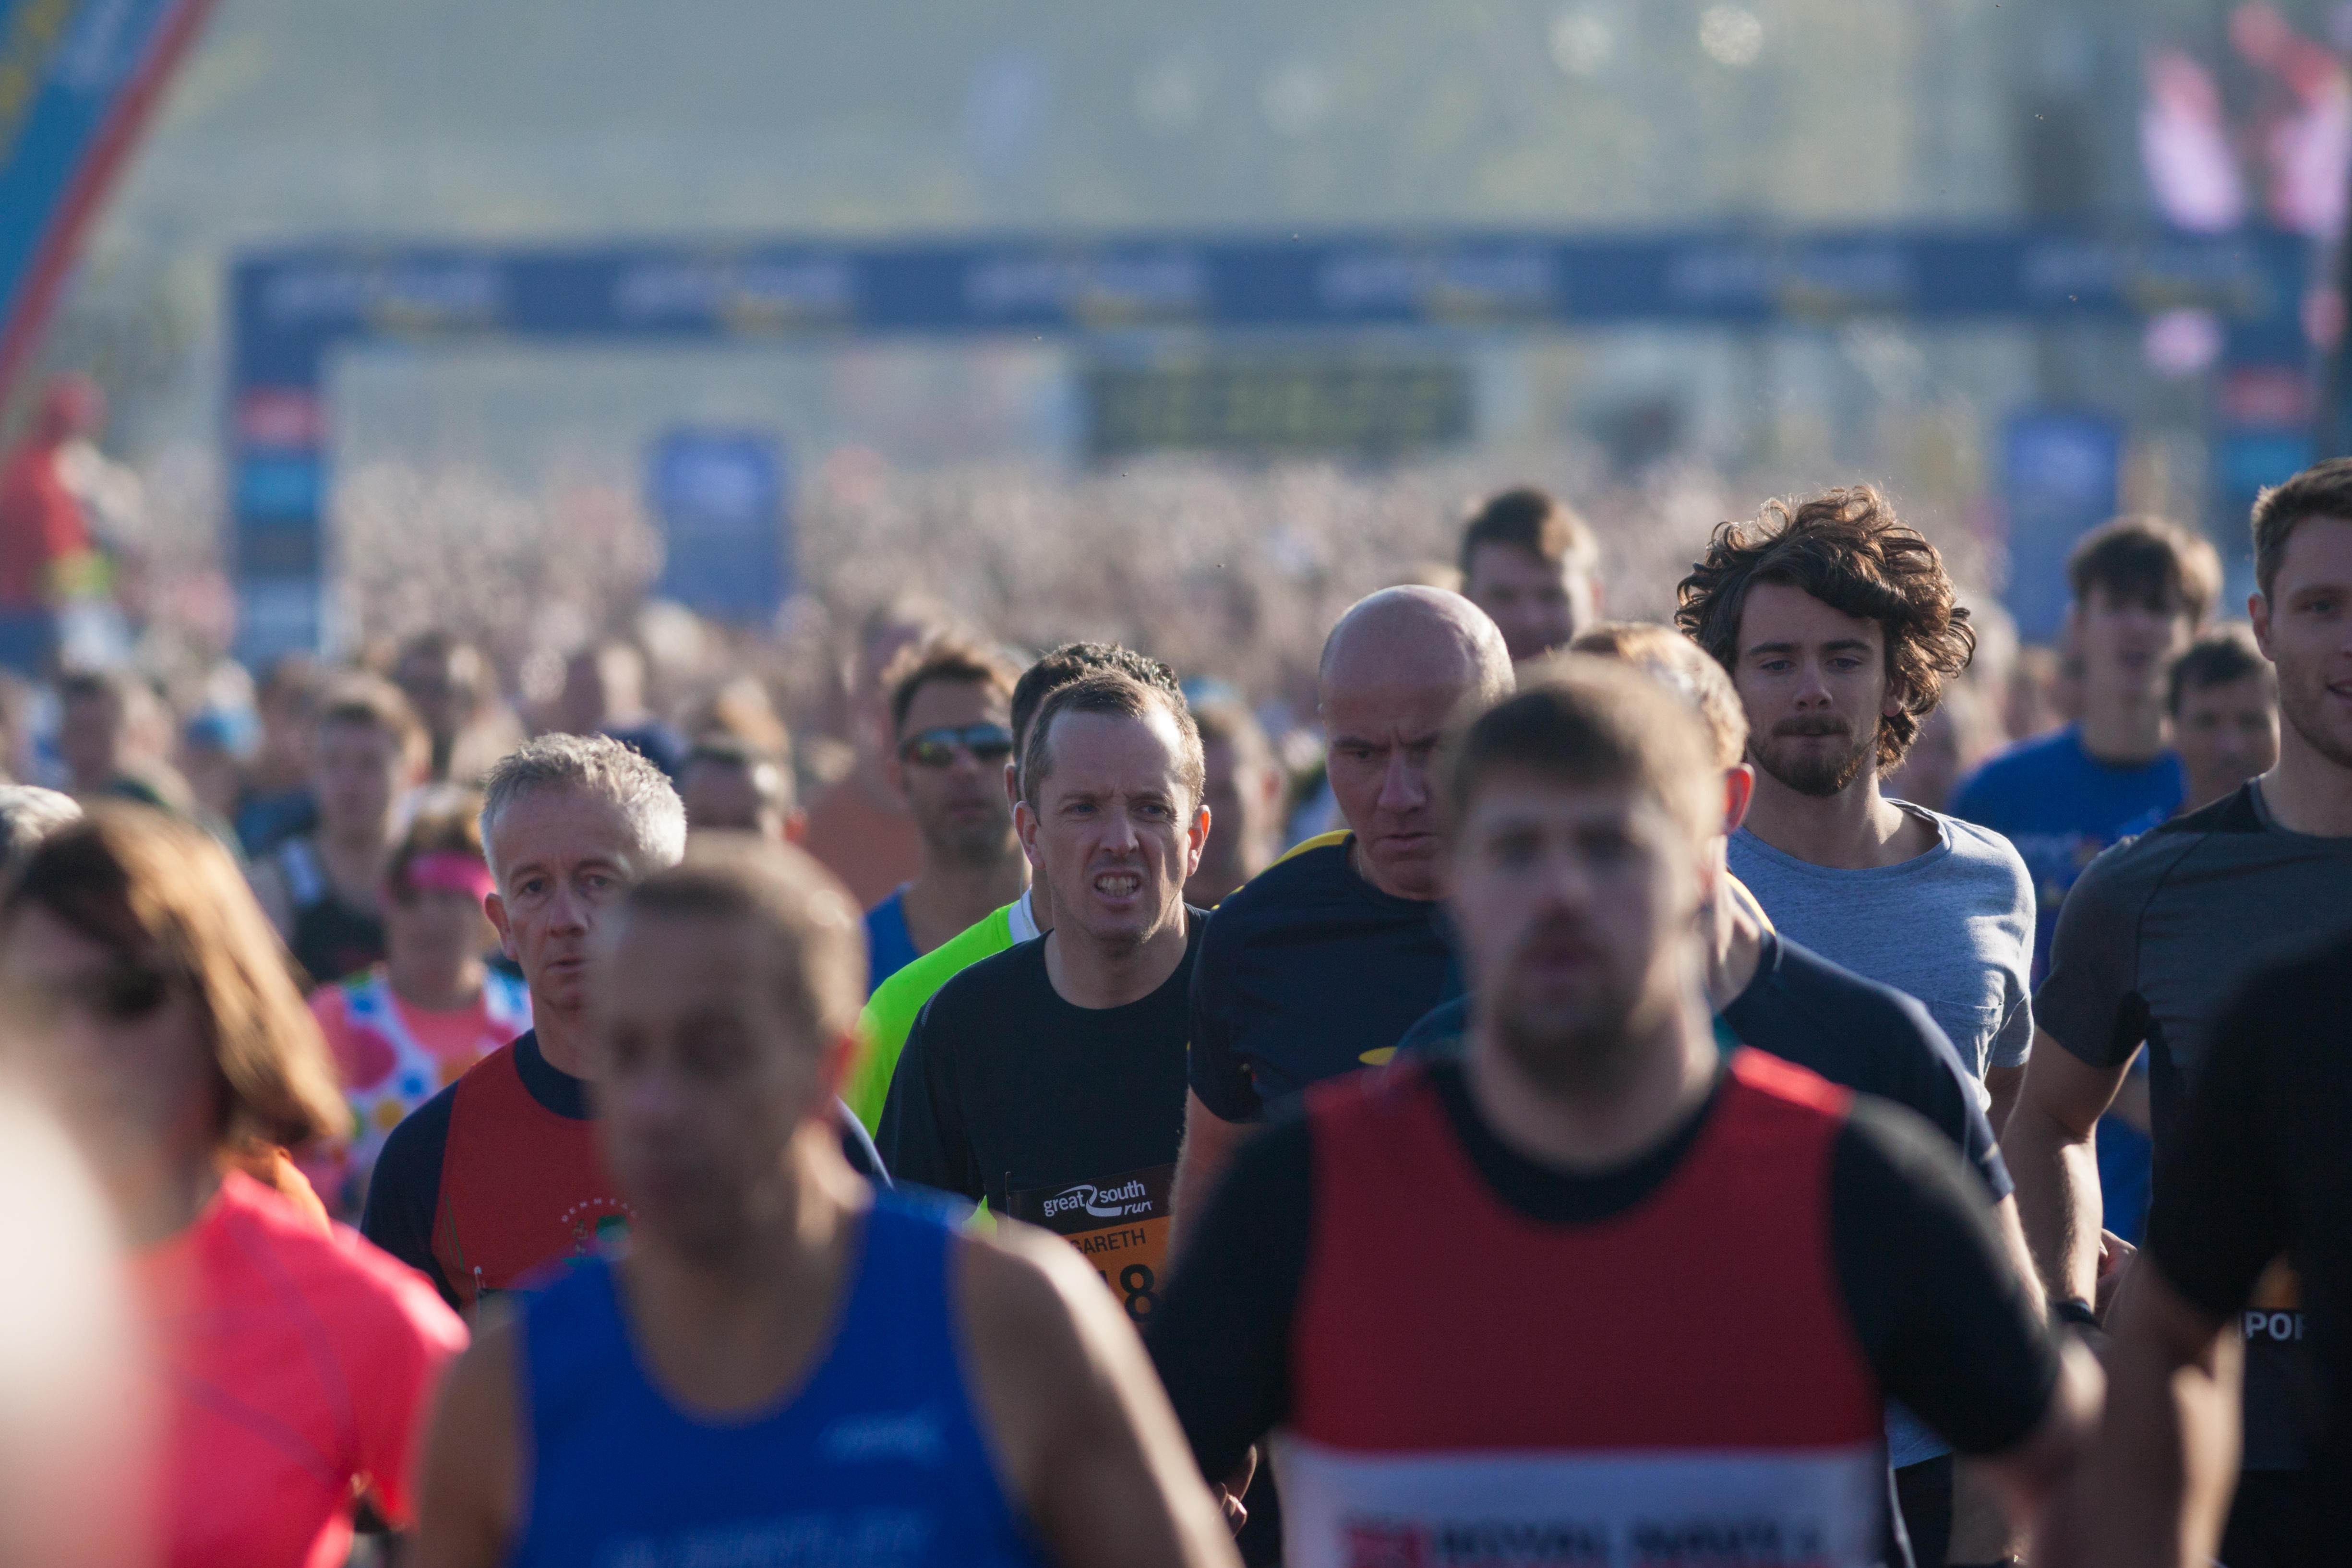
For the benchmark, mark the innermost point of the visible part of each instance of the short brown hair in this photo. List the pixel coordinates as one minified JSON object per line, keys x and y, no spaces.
{"x":1114,"y":696}
{"x":1535,"y":521}
{"x":1590,"y":721}
{"x":948,"y":659}
{"x":1075,"y":661}
{"x":2147,"y":561}
{"x":448,"y":823}
{"x":2226,"y":654}
{"x":1682,"y":665}
{"x":771,"y":776}
{"x":371,"y":701}
{"x":1846,"y":547}
{"x":790,"y":898}
{"x":2322,"y":490}
{"x":152,"y":890}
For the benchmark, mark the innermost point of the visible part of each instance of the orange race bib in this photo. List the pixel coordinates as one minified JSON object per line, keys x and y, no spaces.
{"x":1120,"y":1222}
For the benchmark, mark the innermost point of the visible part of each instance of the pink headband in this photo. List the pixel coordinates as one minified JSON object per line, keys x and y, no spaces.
{"x":448,"y":871}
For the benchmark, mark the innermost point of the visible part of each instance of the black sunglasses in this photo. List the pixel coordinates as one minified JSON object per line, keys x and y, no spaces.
{"x":937,"y":747}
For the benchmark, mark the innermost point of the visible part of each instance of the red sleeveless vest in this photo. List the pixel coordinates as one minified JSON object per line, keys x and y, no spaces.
{"x":1677,"y":1379}
{"x":521,"y":1185}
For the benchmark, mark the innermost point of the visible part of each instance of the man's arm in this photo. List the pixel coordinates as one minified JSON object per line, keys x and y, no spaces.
{"x":1936,"y":1300}
{"x":1090,"y":1446}
{"x":2160,"y":1483}
{"x":2002,"y":1087}
{"x":2054,"y":1157}
{"x":466,"y":1490}
{"x":1208,"y":1148}
{"x":405,"y":1190}
{"x":922,"y":1139}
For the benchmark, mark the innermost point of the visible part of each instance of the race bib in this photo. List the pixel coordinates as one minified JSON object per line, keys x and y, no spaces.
{"x":1120,"y":1222}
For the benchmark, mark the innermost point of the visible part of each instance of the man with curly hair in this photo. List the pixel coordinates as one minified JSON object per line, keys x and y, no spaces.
{"x":1837,"y":626}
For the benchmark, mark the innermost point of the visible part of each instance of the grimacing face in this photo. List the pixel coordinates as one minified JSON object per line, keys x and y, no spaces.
{"x":703,"y":1074}
{"x":1814,"y":681}
{"x":1112,"y":829}
{"x":1576,"y":906}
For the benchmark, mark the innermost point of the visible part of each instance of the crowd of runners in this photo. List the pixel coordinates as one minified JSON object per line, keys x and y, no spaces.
{"x":1619,"y":1106}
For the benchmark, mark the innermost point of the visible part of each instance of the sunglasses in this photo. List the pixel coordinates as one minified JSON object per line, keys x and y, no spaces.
{"x":116,"y":993}
{"x":937,"y":747}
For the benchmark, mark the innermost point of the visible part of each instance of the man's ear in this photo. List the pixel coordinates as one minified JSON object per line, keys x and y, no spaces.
{"x":1739,"y":794}
{"x":2258,"y":611}
{"x":1011,"y":785}
{"x":495,"y":908}
{"x":1025,"y":823}
{"x":1196,"y":839}
{"x":838,"y":1058}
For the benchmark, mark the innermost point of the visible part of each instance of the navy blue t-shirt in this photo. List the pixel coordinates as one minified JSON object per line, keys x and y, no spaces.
{"x":1305,"y":972}
{"x":1867,"y":1036}
{"x":2060,"y":806}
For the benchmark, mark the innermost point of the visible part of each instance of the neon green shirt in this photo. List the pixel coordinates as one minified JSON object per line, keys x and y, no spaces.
{"x":890,"y":1012}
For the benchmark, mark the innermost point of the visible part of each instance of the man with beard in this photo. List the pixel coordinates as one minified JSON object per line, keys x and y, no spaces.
{"x":951,"y":716}
{"x":1838,"y":628}
{"x":2155,"y":939}
{"x":1628,"y":1299}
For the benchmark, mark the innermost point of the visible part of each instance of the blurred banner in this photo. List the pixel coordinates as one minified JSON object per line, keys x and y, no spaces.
{"x":76,"y":80}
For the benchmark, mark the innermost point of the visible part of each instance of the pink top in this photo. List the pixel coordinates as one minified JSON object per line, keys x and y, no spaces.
{"x":294,"y":1364}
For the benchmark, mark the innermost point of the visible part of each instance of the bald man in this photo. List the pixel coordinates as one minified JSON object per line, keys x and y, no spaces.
{"x":1322,"y":961}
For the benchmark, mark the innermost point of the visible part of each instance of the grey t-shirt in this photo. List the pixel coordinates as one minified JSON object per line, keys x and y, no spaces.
{"x":1954,"y":927}
{"x":2153,"y":940}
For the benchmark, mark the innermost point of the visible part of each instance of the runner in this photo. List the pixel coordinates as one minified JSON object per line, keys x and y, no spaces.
{"x":2222,"y":696}
{"x":950,"y":716}
{"x":729,"y":786}
{"x":498,"y":1175}
{"x":1838,"y":628}
{"x":890,"y":1012}
{"x":1049,"y":1079}
{"x":2160,"y":931}
{"x":293,"y":1360}
{"x":1245,"y":796}
{"x":2143,"y":588}
{"x":1734,"y":1262}
{"x":786,"y":1368}
{"x":324,"y":890}
{"x":455,"y":693}
{"x":1339,"y":944}
{"x":1535,"y":568}
{"x":1782,"y":999}
{"x":2257,"y":1172}
{"x":403,"y":1029}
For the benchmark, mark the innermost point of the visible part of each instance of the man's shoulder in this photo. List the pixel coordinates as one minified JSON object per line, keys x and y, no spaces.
{"x":1981,"y":855}
{"x":1880,"y":1025}
{"x":988,"y":983}
{"x":1305,"y":875}
{"x":903,"y":994}
{"x":2136,"y":865}
{"x":343,"y":1275}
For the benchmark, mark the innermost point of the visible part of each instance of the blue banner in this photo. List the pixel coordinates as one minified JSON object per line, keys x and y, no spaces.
{"x":76,"y":80}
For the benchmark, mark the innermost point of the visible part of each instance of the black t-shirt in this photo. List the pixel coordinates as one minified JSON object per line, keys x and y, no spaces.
{"x":1867,"y":1036}
{"x":1066,"y":1116}
{"x":405,"y":1189}
{"x":2263,"y":1165}
{"x":1300,"y":967}
{"x":1933,"y":1298}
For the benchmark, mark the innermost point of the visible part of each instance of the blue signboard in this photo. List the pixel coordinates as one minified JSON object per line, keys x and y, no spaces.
{"x":77,"y":80}
{"x":2062,"y":474}
{"x":720,"y":499}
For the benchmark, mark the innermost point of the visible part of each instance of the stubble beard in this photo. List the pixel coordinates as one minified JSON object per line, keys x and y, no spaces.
{"x":1821,"y":777}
